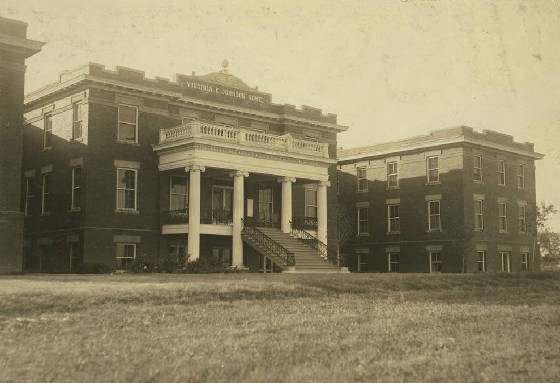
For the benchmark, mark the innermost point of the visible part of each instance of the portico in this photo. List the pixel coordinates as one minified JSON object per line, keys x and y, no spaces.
{"x":245,"y":171}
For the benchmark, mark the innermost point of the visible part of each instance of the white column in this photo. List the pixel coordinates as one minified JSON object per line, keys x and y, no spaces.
{"x":193,"y":243}
{"x":322,"y":211}
{"x":238,"y":199}
{"x":286,"y":215}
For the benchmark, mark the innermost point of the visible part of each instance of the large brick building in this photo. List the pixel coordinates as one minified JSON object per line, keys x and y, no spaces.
{"x":120,"y":167}
{"x":15,"y":47}
{"x":455,"y":200}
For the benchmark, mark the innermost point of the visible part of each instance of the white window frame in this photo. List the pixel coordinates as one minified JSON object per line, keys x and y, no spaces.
{"x":310,"y":188}
{"x":481,"y":260}
{"x":76,"y":188}
{"x":45,"y":194}
{"x":28,"y":195}
{"x":362,"y":220}
{"x":479,"y":215}
{"x":124,"y":189}
{"x":48,"y":131}
{"x":127,"y":123}
{"x":430,"y":228}
{"x":393,"y":221}
{"x":124,"y":244}
{"x":361,"y":177}
{"x":430,"y":169}
{"x":502,"y":218}
{"x":522,"y":218}
{"x":361,"y":262}
{"x":521,"y":177}
{"x":502,"y":173}
{"x":392,"y":174}
{"x":391,"y":262}
{"x":431,"y":254}
{"x":477,"y":168}
{"x":505,"y":256}
{"x":524,"y":261}
{"x":171,"y":194}
{"x":77,"y":120}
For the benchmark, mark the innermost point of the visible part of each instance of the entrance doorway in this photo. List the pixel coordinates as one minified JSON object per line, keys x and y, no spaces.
{"x":266,"y":208}
{"x":222,"y":203}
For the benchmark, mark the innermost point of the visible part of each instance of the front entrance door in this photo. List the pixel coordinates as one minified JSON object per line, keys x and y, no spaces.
{"x":265,"y":205}
{"x":222,"y":202}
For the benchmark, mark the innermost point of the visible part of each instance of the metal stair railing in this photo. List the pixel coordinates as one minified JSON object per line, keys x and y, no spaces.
{"x":300,"y":233}
{"x":272,"y":248}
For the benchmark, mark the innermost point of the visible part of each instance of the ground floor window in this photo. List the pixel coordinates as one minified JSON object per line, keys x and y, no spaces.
{"x":362,"y":263}
{"x":435,"y":261}
{"x":481,"y":260}
{"x":177,"y":253}
{"x":525,"y":261}
{"x":75,"y":255}
{"x":223,"y":255}
{"x":393,"y":262}
{"x":505,"y":257}
{"x":126,"y":254}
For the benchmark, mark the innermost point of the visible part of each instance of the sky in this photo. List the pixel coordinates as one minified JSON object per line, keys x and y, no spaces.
{"x":388,"y":68}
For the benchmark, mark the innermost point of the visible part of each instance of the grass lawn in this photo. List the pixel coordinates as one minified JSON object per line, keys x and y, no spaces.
{"x":292,"y":328}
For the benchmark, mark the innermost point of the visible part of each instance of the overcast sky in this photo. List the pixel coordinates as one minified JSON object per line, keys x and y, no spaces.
{"x":389,"y":68}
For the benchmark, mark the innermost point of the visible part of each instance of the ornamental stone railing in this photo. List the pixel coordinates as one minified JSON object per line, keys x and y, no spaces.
{"x":245,"y":137}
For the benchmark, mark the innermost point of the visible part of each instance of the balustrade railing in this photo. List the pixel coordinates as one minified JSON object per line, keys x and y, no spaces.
{"x":307,"y":223}
{"x":214,"y":131}
{"x":174,"y":216}
{"x":270,"y":247}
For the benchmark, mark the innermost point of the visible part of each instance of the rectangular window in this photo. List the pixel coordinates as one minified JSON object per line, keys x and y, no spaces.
{"x":393,"y":262}
{"x":362,"y":263}
{"x":310,"y":201}
{"x":46,"y":194}
{"x":126,"y":189}
{"x":29,"y":195}
{"x":77,"y":121}
{"x":126,"y":254}
{"x":178,"y":253}
{"x":128,"y":124}
{"x":479,"y":215}
{"x":432,"y":169}
{"x":501,"y":172}
{"x":392,"y":175}
{"x":524,"y":261}
{"x":222,"y":255}
{"x":435,"y":262}
{"x":76,"y":187}
{"x":522,"y":219}
{"x":361,"y":173}
{"x":505,"y":258}
{"x":521,"y":177}
{"x":481,"y":260}
{"x":477,"y":168}
{"x":502,"y":217}
{"x":393,"y":219}
{"x":434,"y":218}
{"x":75,"y":256}
{"x":363,"y":221}
{"x":47,"y":137}
{"x":178,"y":194}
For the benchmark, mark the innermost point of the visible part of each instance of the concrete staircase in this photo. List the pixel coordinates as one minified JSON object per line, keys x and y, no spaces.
{"x":308,"y":259}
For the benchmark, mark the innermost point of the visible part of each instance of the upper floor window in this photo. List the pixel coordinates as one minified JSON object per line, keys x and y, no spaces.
{"x":178,"y":193}
{"x":47,"y":134}
{"x":521,"y":177}
{"x":363,"y":221}
{"x":46,"y":194}
{"x":522,"y":219}
{"x":361,"y":174}
{"x":392,"y":175}
{"x":393,"y":219}
{"x":76,"y":187}
{"x":481,"y":260}
{"x":432,"y":169}
{"x":434,"y":216}
{"x":479,"y":214}
{"x":502,"y":217}
{"x":310,"y":201}
{"x":77,"y":121}
{"x":501,"y":172}
{"x":126,"y":189}
{"x":393,"y":262}
{"x":477,"y":168}
{"x":128,"y":124}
